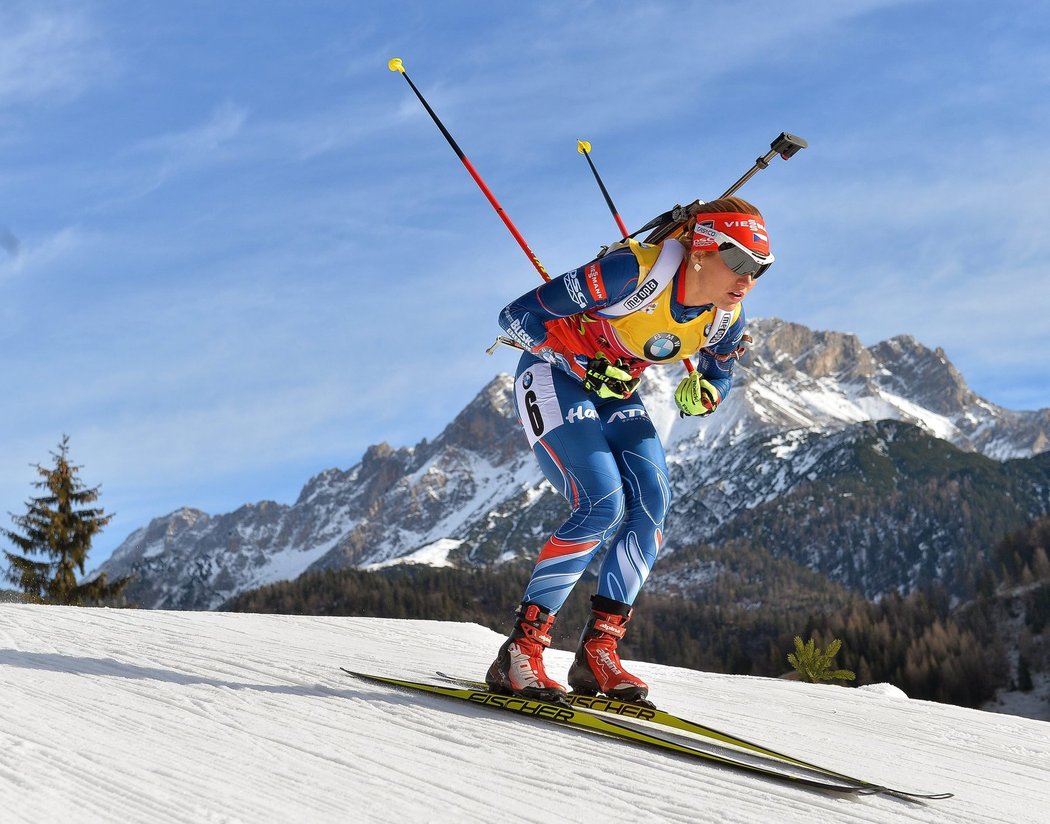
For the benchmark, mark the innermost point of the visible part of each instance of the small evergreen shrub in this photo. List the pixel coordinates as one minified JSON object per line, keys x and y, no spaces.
{"x":815,"y":665}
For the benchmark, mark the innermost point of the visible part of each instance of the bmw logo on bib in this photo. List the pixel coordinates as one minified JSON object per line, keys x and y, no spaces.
{"x":662,"y":346}
{"x":526,"y":380}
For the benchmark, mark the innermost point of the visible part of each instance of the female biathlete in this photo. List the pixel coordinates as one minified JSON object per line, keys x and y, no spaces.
{"x":588,"y":335}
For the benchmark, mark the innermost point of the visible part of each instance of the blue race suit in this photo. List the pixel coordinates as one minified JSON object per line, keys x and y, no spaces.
{"x":603,"y":454}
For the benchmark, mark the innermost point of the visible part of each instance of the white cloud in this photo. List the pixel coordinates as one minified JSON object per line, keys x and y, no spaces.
{"x":201,"y":141}
{"x":309,"y":212}
{"x":48,"y":56}
{"x":170,"y":155}
{"x":36,"y":254}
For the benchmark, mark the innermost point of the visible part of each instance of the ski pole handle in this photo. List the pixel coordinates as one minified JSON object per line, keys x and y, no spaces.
{"x":503,"y":340}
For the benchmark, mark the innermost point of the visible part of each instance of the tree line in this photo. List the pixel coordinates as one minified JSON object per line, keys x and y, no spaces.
{"x":742,"y":620}
{"x":918,"y":642}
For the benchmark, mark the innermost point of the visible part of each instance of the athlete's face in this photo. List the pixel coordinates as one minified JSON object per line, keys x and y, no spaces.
{"x":716,"y":282}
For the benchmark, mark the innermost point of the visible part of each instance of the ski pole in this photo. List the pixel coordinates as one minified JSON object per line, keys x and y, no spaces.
{"x":584,"y":148}
{"x":395,"y":65}
{"x":503,"y":340}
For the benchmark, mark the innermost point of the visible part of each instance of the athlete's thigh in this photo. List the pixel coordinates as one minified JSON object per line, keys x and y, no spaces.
{"x":565,"y":432}
{"x":638,"y":451}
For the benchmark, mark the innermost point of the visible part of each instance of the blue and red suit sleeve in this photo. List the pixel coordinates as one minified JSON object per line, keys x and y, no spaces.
{"x":716,"y":362}
{"x":601,"y":282}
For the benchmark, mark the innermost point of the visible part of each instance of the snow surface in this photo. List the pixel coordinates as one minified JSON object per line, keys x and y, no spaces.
{"x":435,"y":555}
{"x":151,"y":716}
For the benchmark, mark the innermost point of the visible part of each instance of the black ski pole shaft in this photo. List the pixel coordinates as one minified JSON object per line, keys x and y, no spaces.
{"x":584,"y":148}
{"x":395,"y":65}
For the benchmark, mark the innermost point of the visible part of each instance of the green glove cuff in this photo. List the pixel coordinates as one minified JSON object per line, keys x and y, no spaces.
{"x":696,"y":396}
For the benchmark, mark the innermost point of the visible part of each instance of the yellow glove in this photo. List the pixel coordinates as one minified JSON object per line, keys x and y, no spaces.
{"x":609,"y":380}
{"x":696,"y":396}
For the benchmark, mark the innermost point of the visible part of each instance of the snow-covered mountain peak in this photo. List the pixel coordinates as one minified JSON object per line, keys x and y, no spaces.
{"x":481,"y":426}
{"x":791,"y":349}
{"x":475,"y":487}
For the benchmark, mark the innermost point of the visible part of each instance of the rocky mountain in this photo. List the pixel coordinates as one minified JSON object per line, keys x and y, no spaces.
{"x":796,"y":442}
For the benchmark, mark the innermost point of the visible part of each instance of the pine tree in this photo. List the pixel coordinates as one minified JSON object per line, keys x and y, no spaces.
{"x":1024,"y":675}
{"x":59,"y":526}
{"x":814,"y":665}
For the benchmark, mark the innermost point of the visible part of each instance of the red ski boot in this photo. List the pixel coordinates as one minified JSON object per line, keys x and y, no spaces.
{"x":518,"y":668}
{"x":597,"y":667}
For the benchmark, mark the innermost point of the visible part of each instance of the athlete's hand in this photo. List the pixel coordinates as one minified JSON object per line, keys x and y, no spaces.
{"x":607,"y":379}
{"x":696,"y":396}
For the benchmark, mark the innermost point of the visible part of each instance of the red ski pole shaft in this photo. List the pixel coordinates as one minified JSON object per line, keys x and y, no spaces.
{"x":395,"y":65}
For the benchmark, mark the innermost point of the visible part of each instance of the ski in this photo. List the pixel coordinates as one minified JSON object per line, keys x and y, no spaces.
{"x":584,"y":720}
{"x":644,"y":712}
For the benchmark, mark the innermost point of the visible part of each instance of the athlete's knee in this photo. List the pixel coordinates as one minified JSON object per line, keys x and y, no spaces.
{"x":654,"y":499}
{"x":600,"y":510}
{"x":664,"y":505}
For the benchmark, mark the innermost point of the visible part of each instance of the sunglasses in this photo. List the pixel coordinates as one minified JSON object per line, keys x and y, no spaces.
{"x":742,"y":261}
{"x":735,"y":255}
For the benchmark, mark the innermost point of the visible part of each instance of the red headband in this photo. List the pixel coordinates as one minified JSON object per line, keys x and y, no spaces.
{"x":747,"y":230}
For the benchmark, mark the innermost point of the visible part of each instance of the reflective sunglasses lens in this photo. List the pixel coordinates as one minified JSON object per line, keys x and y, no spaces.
{"x":740,"y":261}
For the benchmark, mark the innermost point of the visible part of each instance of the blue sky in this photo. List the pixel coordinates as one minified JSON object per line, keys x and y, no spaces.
{"x":234,"y":251}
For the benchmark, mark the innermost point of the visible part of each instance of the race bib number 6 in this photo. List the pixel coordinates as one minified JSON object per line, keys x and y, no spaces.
{"x":538,"y":407}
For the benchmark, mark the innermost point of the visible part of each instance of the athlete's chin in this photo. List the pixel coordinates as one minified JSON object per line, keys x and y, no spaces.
{"x":728,"y":302}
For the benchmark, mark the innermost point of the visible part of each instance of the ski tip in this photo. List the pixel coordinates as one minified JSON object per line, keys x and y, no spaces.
{"x":395,"y":65}
{"x":583,"y":147}
{"x":364,"y":675}
{"x":920,"y":796}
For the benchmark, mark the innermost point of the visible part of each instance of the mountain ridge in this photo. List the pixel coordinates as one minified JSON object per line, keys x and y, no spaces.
{"x":474,"y":494}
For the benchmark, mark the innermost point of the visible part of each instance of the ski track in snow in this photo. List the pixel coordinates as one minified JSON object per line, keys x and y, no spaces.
{"x":149,"y":716}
